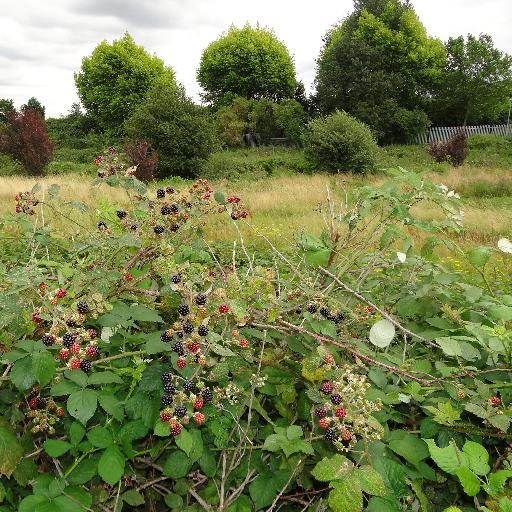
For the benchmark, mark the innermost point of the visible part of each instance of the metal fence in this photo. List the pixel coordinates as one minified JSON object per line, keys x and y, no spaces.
{"x":439,"y":133}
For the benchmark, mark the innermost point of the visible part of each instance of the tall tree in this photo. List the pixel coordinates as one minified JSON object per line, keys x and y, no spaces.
{"x":114,"y":79}
{"x":379,"y":65}
{"x":6,"y":106}
{"x":34,"y":104}
{"x":248,"y":62}
{"x":477,"y":82}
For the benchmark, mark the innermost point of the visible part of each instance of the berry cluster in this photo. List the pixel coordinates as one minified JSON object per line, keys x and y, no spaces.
{"x":25,"y":203}
{"x":345,"y":415}
{"x":43,"y":412}
{"x":112,"y":162}
{"x":335,"y":316}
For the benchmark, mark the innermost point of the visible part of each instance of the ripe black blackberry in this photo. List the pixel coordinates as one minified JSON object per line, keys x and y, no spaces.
{"x":179,"y":348}
{"x":165,"y":210}
{"x":133,"y":227}
{"x":82,"y":307}
{"x":160,"y":193}
{"x":40,"y":402}
{"x":166,"y":377}
{"x":48,"y":340}
{"x":169,"y":190}
{"x":330,"y":435}
{"x":121,"y":214}
{"x":200,"y":299}
{"x":180,"y":411}
{"x":325,"y":312}
{"x":187,"y":327}
{"x":312,"y":308}
{"x":165,"y":337}
{"x":86,"y":366}
{"x":336,"y":399}
{"x":202,"y":330}
{"x":338,"y":317}
{"x":68,"y":339}
{"x":183,"y":309}
{"x":176,"y":278}
{"x":174,"y":208}
{"x":167,"y":399}
{"x":174,"y":227}
{"x":189,"y":386}
{"x":102,"y":225}
{"x":158,"y":230}
{"x":188,"y":205}
{"x":320,"y":412}
{"x":207,"y":394}
{"x":169,"y":388}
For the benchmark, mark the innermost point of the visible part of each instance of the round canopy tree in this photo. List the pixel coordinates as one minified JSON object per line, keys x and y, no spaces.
{"x":115,"y":78}
{"x":248,"y":62}
{"x":380,"y":65}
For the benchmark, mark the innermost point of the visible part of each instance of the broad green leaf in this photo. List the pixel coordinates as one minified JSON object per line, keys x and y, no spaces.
{"x":85,"y":470}
{"x":477,"y":456}
{"x":111,"y":405}
{"x":218,"y":195}
{"x":11,"y":451}
{"x":76,"y":433}
{"x":106,"y":377}
{"x":207,"y":463}
{"x":133,"y":497}
{"x":497,"y":481}
{"x":332,"y":468}
{"x":77,"y":376}
{"x":162,"y":428}
{"x":64,"y":387}
{"x":156,"y":345}
{"x":265,"y":487}
{"x":500,"y":421}
{"x":446,"y":414}
{"x":22,"y":375}
{"x":388,"y":504}
{"x":501,"y":312}
{"x":346,"y":495}
{"x":100,"y":437}
{"x":111,"y":465}
{"x":294,"y":432}
{"x":174,"y":501}
{"x":407,"y":445}
{"x":43,"y":367}
{"x":184,"y":442}
{"x":468,"y":480}
{"x":382,"y":333}
{"x":449,"y":459}
{"x":36,"y":504}
{"x":177,"y":465}
{"x":56,"y":447}
{"x":505,"y":505}
{"x":82,"y":404}
{"x":143,"y":314}
{"x":241,"y":504}
{"x":371,"y":481}
{"x":479,"y":256}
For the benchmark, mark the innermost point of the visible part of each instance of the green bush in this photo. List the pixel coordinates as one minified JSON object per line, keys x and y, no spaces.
{"x":340,"y":142}
{"x":181,"y":132}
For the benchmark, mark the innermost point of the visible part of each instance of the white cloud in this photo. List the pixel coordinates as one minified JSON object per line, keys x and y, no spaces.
{"x":43,"y":43}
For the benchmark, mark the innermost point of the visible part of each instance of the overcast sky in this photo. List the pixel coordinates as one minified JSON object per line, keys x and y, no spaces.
{"x":42,"y":42}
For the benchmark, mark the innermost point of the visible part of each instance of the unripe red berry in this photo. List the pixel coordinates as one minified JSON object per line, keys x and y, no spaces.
{"x":328,"y":359}
{"x":194,"y":347}
{"x":340,"y":412}
{"x":64,"y":354}
{"x":494,"y":401}
{"x":223,"y":309}
{"x":60,"y":293}
{"x":75,"y":348}
{"x":75,"y":363}
{"x":176,"y":428}
{"x":127,"y":276}
{"x":326,"y":387}
{"x":324,"y":422}
{"x":91,"y":350}
{"x":243,"y":343}
{"x":181,"y":363}
{"x":32,"y":403}
{"x":59,"y":412}
{"x":346,"y":435}
{"x":166,"y":415}
{"x":198,"y":404}
{"x":199,"y":418}
{"x":92,"y":333}
{"x":36,"y":318}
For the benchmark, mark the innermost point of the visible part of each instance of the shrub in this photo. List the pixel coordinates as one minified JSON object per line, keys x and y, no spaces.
{"x":453,"y":150}
{"x":140,"y":153}
{"x":340,"y":142}
{"x":25,"y":139}
{"x":181,"y":132}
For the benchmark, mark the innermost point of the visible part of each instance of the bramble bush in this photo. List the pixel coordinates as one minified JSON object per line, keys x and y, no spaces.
{"x":454,"y":150}
{"x":143,"y":366}
{"x":340,"y":142}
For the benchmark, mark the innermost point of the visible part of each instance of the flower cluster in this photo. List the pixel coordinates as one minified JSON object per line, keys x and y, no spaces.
{"x":43,"y":412}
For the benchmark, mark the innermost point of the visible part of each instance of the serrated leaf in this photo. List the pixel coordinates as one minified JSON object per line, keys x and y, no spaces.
{"x":173,"y":501}
{"x":82,"y":404}
{"x":162,"y":428}
{"x":496,"y":481}
{"x":111,"y":465}
{"x":106,"y":377}
{"x":371,"y":481}
{"x":184,"y":441}
{"x":449,"y":459}
{"x":479,"y":256}
{"x":500,"y":421}
{"x":346,"y":495}
{"x":133,"y":497}
{"x":477,"y":456}
{"x":219,"y":197}
{"x":177,"y":465}
{"x":468,"y":480}
{"x":43,"y":367}
{"x":382,"y":333}
{"x":21,"y":374}
{"x":11,"y":451}
{"x":56,"y":447}
{"x":410,"y":447}
{"x":332,"y":468}
{"x":156,"y":345}
{"x":76,"y":433}
{"x":100,"y":437}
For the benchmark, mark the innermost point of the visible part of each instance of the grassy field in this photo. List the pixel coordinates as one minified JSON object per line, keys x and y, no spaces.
{"x":284,"y":196}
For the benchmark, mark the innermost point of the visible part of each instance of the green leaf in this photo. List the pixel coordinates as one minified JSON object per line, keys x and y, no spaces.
{"x":346,"y":495}
{"x":111,"y":465}
{"x":84,"y":472}
{"x":479,"y":256}
{"x":505,"y":505}
{"x":219,"y":197}
{"x":21,"y":374}
{"x":106,"y":377}
{"x":11,"y":451}
{"x":162,"y":428}
{"x":449,"y":459}
{"x":332,"y":468}
{"x":82,"y":404}
{"x":76,"y":433}
{"x":500,"y":421}
{"x":133,"y":497}
{"x":382,"y":333}
{"x":208,"y":463}
{"x":156,"y":345}
{"x":371,"y":481}
{"x":410,"y":447}
{"x":177,"y":465}
{"x":36,"y":504}
{"x":111,"y":405}
{"x":77,"y":376}
{"x":468,"y":480}
{"x":265,"y":487}
{"x":56,"y":447}
{"x":497,"y":481}
{"x":143,"y":314}
{"x":64,"y":387}
{"x":100,"y":437}
{"x":445,"y":414}
{"x":174,"y":501}
{"x":294,"y":432}
{"x":43,"y":367}
{"x":477,"y":456}
{"x":500,"y":312}
{"x":458,"y":348}
{"x":184,"y":441}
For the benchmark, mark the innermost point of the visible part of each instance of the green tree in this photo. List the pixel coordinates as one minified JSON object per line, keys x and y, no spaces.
{"x":248,"y":62}
{"x":114,"y":79}
{"x":34,"y":104}
{"x":377,"y":63}
{"x":477,"y":82}
{"x":6,"y":106}
{"x":181,"y":132}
